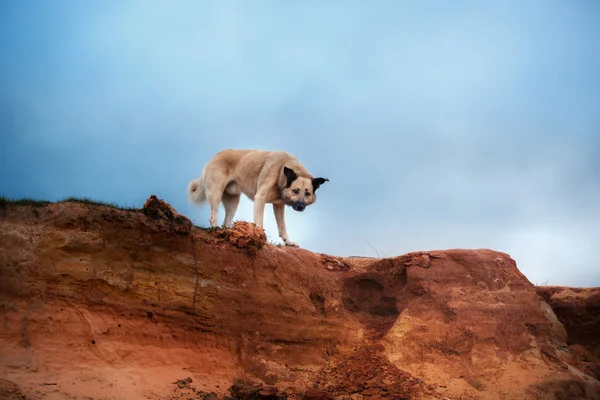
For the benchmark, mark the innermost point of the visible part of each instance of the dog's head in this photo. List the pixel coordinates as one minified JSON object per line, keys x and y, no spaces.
{"x":299,"y":191}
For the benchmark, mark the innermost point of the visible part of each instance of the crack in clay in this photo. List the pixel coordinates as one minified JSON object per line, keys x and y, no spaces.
{"x":196,"y":268}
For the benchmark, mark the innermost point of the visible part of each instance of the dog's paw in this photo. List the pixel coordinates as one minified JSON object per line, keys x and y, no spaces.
{"x":291,"y":243}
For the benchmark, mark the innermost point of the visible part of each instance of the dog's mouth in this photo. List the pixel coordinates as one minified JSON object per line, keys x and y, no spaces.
{"x":298,"y":206}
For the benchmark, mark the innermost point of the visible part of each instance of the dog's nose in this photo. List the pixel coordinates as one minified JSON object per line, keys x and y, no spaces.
{"x":299,"y":207}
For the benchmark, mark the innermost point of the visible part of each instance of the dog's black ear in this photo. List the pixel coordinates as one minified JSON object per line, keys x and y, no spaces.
{"x":290,"y":175}
{"x":317,"y":182}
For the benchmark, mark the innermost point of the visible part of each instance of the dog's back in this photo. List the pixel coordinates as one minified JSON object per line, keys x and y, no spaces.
{"x":241,"y":166}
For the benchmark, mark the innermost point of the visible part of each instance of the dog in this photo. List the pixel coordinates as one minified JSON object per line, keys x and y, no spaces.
{"x":274,"y":177}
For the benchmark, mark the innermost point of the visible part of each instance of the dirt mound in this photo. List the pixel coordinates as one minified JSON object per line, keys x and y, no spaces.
{"x":367,"y":372}
{"x":244,"y":235}
{"x":106,"y":303}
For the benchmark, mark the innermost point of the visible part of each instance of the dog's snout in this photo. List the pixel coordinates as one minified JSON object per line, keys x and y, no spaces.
{"x":298,"y":206}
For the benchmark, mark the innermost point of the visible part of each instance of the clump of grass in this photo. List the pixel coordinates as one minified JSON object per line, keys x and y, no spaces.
{"x":23,"y":201}
{"x":87,"y":200}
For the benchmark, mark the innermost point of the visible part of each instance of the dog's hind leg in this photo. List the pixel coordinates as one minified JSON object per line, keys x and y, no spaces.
{"x":214,"y":199}
{"x":230,"y":202}
{"x":215,"y":196}
{"x":215,"y":182}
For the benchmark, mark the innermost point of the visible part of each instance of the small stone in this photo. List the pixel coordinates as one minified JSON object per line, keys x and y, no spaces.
{"x":315,"y":394}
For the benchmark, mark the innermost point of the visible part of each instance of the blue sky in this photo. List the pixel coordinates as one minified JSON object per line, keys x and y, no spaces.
{"x":462,"y":124}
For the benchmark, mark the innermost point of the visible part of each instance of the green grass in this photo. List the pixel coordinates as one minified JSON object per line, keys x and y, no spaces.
{"x":5,"y":201}
{"x":87,"y":200}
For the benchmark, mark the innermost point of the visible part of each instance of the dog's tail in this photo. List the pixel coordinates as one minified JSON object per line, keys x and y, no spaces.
{"x":197,"y":191}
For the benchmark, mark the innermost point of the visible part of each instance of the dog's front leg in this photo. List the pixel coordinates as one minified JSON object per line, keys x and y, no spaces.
{"x":279,"y":211}
{"x":259,"y":210}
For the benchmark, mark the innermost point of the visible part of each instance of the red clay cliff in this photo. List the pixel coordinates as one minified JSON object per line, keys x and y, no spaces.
{"x":99,"y":302}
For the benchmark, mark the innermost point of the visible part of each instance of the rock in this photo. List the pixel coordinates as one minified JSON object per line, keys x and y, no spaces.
{"x":156,"y":208}
{"x":316,"y":394}
{"x":183,"y":383}
{"x":333,"y":263}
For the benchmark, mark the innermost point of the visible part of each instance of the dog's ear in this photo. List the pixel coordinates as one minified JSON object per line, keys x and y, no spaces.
{"x":317,"y":182}
{"x":290,"y":175}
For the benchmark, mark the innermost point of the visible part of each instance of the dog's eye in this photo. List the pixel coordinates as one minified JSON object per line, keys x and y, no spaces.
{"x":307,"y":194}
{"x":296,"y":191}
